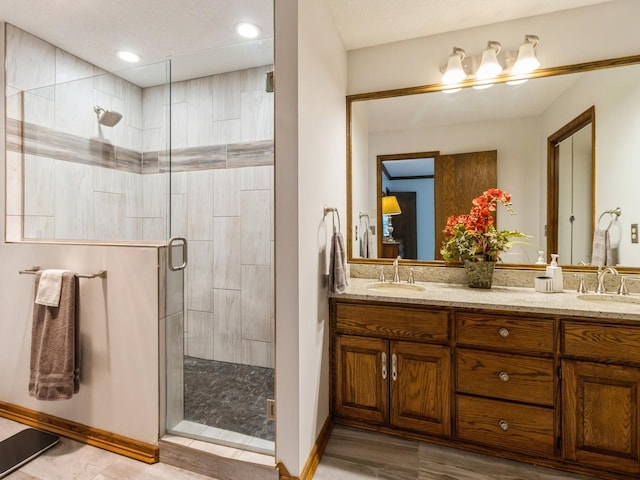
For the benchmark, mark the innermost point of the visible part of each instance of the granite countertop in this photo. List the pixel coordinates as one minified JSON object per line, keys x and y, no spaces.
{"x":497,"y":298}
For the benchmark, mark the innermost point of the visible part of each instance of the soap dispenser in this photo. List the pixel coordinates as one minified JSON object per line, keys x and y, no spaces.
{"x":555,"y":272}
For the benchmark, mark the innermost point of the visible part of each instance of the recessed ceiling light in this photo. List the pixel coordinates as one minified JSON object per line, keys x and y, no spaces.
{"x":128,"y":56}
{"x":247,"y":30}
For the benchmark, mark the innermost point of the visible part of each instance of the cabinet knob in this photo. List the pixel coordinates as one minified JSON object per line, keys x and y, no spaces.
{"x":503,"y":425}
{"x":504,"y":333}
{"x":504,"y":376}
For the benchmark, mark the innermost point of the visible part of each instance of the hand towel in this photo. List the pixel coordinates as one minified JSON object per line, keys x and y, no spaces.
{"x":55,"y":346}
{"x":601,"y":253}
{"x":365,"y":243}
{"x":48,"y":292}
{"x":337,"y":264}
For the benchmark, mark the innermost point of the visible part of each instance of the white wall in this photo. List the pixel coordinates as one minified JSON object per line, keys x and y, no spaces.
{"x":579,"y":35}
{"x":310,"y":173}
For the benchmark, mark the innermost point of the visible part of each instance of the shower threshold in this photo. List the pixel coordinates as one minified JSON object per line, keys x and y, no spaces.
{"x":205,"y":433}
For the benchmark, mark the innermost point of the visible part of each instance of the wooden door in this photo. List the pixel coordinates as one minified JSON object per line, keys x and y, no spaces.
{"x":361,"y":379}
{"x":600,"y":405}
{"x":420,"y":387}
{"x":459,"y":178}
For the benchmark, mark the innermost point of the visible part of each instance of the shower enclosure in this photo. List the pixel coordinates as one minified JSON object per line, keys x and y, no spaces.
{"x":220,"y":314}
{"x":148,"y":154}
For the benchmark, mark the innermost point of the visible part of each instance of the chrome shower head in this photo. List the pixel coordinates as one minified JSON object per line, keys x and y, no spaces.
{"x":107,"y":118}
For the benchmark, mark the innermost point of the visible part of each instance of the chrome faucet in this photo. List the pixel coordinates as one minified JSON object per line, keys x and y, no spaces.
{"x":601,"y":274}
{"x":396,"y":276}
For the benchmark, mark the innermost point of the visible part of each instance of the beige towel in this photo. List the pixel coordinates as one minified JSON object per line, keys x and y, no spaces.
{"x":337,"y":264}
{"x":48,"y":291}
{"x":601,"y":253}
{"x":55,"y":346}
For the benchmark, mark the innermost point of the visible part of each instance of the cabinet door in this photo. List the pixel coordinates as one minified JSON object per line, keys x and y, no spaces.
{"x":420,"y":387}
{"x":600,"y":405}
{"x":361,"y":383}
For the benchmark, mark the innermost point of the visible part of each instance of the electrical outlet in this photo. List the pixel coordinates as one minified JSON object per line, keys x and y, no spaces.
{"x":634,"y":233}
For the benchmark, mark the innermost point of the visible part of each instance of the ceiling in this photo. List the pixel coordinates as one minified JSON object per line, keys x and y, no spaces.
{"x":156,"y":29}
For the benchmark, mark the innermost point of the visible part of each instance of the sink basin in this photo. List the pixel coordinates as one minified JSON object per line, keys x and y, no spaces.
{"x":395,"y":287}
{"x":607,"y":297}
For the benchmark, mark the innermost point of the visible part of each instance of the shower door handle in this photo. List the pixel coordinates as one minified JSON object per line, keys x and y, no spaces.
{"x":172,"y":243}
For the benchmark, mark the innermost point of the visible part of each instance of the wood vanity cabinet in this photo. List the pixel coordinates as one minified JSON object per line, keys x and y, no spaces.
{"x":601,"y":395}
{"x":388,"y":369}
{"x":547,"y":389}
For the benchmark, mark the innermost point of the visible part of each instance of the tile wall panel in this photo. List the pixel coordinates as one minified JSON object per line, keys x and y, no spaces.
{"x":226,"y":193}
{"x":256,"y":303}
{"x":227,"y":325}
{"x":227,"y":266}
{"x":200,"y":330}
{"x":199,"y":287}
{"x":30,"y":62}
{"x":255,"y":227}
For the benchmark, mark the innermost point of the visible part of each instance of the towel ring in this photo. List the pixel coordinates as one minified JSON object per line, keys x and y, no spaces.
{"x":615,"y":213}
{"x":334,"y":211}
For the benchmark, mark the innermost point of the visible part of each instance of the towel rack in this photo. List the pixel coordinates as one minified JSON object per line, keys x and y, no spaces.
{"x":327,"y":211}
{"x":361,"y":215}
{"x":34,"y":270}
{"x":616,"y":212}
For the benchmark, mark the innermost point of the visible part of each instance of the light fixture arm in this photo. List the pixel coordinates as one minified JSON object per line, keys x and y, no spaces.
{"x":460,"y":52}
{"x":495,"y":45}
{"x":532,"y":39}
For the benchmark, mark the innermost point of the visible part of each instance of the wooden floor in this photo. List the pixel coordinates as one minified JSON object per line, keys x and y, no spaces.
{"x":350,"y":455}
{"x":357,"y":455}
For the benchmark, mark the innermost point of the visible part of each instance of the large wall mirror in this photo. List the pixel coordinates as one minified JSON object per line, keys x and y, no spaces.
{"x":566,"y":199}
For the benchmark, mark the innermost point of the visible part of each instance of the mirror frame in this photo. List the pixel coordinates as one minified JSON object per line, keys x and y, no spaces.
{"x":467,"y":83}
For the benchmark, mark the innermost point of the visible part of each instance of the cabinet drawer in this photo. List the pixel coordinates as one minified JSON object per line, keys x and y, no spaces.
{"x":393,"y":322}
{"x":509,"y":426}
{"x":505,"y":376}
{"x":601,"y":342}
{"x":505,"y":333}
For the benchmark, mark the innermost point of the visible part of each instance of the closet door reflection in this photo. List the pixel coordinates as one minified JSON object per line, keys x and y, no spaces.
{"x":575,"y":214}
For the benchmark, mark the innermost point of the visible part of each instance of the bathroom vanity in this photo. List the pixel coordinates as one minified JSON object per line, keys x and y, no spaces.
{"x":543,"y":378}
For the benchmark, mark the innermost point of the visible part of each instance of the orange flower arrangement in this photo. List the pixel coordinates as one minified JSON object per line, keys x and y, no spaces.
{"x":473,"y":236}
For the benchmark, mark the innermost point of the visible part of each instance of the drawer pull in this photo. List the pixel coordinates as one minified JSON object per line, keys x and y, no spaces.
{"x":503,"y":425}
{"x":504,"y":376}
{"x":384,"y":365}
{"x":504,"y":333}
{"x":394,"y":367}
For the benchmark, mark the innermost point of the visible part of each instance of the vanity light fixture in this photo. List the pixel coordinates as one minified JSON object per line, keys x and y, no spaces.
{"x":490,"y":64}
{"x":128,"y":56}
{"x":247,"y":30}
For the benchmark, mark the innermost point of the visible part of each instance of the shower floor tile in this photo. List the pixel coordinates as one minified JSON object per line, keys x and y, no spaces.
{"x":228,"y":396}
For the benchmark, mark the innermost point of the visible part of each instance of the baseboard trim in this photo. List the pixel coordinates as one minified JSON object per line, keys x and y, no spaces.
{"x":96,"y":437}
{"x":314,"y":456}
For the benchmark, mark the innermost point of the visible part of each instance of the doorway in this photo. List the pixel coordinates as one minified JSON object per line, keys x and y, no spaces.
{"x":570,"y":189}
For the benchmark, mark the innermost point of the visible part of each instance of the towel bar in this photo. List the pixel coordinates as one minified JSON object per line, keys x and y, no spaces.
{"x":34,"y":270}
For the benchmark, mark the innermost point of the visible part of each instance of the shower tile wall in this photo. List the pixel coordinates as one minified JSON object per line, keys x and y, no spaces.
{"x":59,"y":92}
{"x":222,"y":201}
{"x":224,"y":209}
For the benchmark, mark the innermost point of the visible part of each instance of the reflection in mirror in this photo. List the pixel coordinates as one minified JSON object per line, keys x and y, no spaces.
{"x":516,"y":121}
{"x":409,"y":179}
